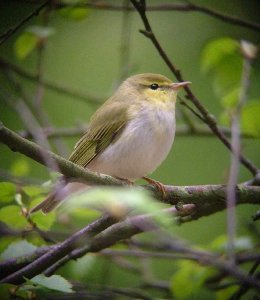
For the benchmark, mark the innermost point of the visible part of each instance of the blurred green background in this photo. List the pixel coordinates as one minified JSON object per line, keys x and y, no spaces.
{"x":87,"y":55}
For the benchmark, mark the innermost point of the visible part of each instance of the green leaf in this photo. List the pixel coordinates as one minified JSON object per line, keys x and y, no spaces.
{"x":42,"y":32}
{"x":5,"y":291}
{"x":44,"y":222}
{"x":214,"y":52}
{"x":230,"y":100}
{"x":18,"y":248}
{"x":20,"y":167}
{"x":74,"y":13}
{"x":226,"y":293}
{"x":12,"y":216}
{"x":227,"y":74}
{"x":25,"y":44}
{"x":250,"y":118}
{"x":34,"y":190}
{"x":241,"y":243}
{"x":118,"y":202}
{"x":82,"y":266}
{"x":54,"y":282}
{"x":188,"y":280}
{"x":224,"y":118}
{"x":7,"y":192}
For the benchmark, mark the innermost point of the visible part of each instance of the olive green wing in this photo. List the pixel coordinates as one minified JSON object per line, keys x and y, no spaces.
{"x":105,"y":126}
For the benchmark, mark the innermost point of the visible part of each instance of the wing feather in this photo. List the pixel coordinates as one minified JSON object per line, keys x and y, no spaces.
{"x":105,"y":126}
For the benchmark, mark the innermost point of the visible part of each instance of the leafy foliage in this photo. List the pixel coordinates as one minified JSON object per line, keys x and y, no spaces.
{"x":7,"y":192}
{"x":18,"y":248}
{"x":30,"y":39}
{"x":218,"y":56}
{"x":54,"y":282}
{"x":74,"y":13}
{"x":12,"y":216}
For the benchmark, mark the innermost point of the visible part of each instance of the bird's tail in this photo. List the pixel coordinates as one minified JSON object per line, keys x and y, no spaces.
{"x":60,"y":193}
{"x":48,"y":204}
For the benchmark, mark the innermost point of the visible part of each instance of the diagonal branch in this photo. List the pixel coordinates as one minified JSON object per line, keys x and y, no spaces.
{"x":80,"y":244}
{"x":209,"y":118}
{"x":78,"y":239}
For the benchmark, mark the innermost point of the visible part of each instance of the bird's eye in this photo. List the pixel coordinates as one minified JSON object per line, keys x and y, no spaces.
{"x":154,"y":86}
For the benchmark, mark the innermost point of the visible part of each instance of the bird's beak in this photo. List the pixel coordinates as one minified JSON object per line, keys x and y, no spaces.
{"x":178,"y":85}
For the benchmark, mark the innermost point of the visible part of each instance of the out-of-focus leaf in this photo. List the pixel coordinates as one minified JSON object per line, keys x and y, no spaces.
{"x":12,"y":216}
{"x":42,"y":32}
{"x":5,"y":291}
{"x":216,"y":50}
{"x":34,"y":190}
{"x":188,"y":280}
{"x":80,"y":267}
{"x":74,"y":13}
{"x":227,"y":74}
{"x":241,"y":243}
{"x":25,"y":44}
{"x":230,"y":100}
{"x":20,"y":167}
{"x":251,"y":118}
{"x":54,"y":282}
{"x":5,"y":241}
{"x":118,"y":202}
{"x":18,"y":248}
{"x":224,"y":118}
{"x":43,"y":221}
{"x":7,"y":192}
{"x":226,"y":293}
{"x":30,"y":39}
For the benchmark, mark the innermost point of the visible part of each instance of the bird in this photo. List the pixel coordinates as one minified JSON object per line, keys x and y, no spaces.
{"x":128,"y":137}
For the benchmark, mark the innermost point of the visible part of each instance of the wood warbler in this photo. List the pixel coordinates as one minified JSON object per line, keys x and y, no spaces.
{"x":128,"y":136}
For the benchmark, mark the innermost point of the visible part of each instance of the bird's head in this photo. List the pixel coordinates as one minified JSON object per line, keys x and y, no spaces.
{"x":154,"y":87}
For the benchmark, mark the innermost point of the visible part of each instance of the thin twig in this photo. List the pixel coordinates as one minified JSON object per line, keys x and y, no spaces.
{"x":181,"y":130}
{"x":11,"y":31}
{"x":244,"y":287}
{"x":37,"y":99}
{"x":60,"y":250}
{"x":124,"y":52}
{"x":234,"y":166}
{"x":182,"y":7}
{"x":209,"y":118}
{"x":24,"y":112}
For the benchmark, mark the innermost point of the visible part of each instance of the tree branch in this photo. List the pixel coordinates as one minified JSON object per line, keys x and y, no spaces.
{"x":207,"y":198}
{"x":71,"y":248}
{"x":78,"y":239}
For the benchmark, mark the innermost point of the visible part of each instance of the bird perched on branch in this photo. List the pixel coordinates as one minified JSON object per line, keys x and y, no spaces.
{"x":128,"y":136}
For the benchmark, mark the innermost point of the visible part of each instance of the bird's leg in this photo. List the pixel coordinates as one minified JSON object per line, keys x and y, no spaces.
{"x":157,"y":184}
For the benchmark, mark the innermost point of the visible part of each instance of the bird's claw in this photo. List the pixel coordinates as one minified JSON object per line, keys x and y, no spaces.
{"x":158,"y":185}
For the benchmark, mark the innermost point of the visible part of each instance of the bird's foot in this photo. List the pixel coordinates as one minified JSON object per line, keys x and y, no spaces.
{"x":157,"y":184}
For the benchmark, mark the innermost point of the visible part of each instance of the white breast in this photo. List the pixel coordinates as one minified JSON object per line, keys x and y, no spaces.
{"x":143,"y":145}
